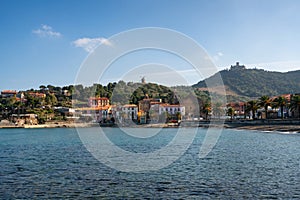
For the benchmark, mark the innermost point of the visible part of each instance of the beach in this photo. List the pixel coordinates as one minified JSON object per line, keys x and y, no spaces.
{"x":264,"y":127}
{"x":285,"y":125}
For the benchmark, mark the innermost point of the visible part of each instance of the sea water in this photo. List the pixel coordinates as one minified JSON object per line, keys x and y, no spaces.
{"x":54,"y":163}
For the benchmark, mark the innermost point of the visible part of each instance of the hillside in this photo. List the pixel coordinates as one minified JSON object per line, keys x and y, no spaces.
{"x":250,"y":83}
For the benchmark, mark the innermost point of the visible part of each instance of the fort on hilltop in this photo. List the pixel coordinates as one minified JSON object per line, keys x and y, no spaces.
{"x":237,"y":66}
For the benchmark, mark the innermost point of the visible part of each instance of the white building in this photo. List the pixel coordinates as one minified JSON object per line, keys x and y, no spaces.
{"x":171,"y":109}
{"x":129,"y":111}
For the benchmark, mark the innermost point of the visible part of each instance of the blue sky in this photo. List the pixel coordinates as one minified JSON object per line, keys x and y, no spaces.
{"x":45,"y":42}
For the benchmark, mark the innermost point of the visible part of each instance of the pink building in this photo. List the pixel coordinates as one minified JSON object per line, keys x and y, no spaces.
{"x":98,"y":102}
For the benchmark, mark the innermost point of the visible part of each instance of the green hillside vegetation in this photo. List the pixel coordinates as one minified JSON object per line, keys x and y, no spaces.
{"x":120,"y":93}
{"x":254,"y":83}
{"x":124,"y":93}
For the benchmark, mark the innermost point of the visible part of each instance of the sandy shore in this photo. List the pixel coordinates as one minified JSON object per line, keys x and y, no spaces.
{"x":264,"y":127}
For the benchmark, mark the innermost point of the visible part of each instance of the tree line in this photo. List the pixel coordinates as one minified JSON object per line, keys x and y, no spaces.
{"x":264,"y":102}
{"x":196,"y":102}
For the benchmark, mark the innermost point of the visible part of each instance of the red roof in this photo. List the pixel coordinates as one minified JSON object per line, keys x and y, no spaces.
{"x":9,"y":92}
{"x":170,"y":105}
{"x":286,"y":96}
{"x":130,"y":106}
{"x":233,"y":104}
{"x":98,"y":98}
{"x":155,"y":102}
{"x":37,"y":94}
{"x":107,"y":107}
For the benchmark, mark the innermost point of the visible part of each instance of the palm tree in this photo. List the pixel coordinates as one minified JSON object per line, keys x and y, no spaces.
{"x":178,"y":115}
{"x":42,"y":87}
{"x":217,"y":109}
{"x":265,"y":102}
{"x":252,"y":106}
{"x":295,"y":104}
{"x":206,"y":109}
{"x":230,"y":112}
{"x":280,"y":102}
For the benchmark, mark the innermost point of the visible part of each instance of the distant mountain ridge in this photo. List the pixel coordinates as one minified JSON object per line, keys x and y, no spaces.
{"x":252,"y":83}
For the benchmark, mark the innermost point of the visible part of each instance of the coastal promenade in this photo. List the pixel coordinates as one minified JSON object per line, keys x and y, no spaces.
{"x":48,"y":125}
{"x":260,"y":125}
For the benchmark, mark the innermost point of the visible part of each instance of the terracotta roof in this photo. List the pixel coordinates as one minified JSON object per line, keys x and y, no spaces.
{"x":155,"y":102}
{"x":232,"y":104}
{"x":94,"y":108}
{"x":98,"y":98}
{"x":129,"y":105}
{"x":286,"y":96}
{"x":9,"y":92}
{"x":170,"y":105}
{"x":37,"y":94}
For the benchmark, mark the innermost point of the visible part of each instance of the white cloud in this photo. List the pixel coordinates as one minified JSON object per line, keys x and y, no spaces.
{"x":217,"y":56}
{"x":46,"y":31}
{"x":220,"y":54}
{"x":89,"y":44}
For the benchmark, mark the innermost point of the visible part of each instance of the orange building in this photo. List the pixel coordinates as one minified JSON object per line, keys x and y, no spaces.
{"x":239,"y":108}
{"x":8,"y":93}
{"x":98,"y":101}
{"x":37,"y":94}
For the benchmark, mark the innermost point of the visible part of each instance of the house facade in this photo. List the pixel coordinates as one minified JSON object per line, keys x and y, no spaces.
{"x":145,"y":104}
{"x":171,"y":109}
{"x":129,"y":111}
{"x":8,"y":93}
{"x":98,"y":110}
{"x":98,"y":101}
{"x":238,"y":107}
{"x":37,"y":94}
{"x":95,"y":114}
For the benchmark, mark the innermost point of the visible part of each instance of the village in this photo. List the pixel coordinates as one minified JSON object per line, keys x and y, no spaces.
{"x":96,"y":110}
{"x":33,"y":108}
